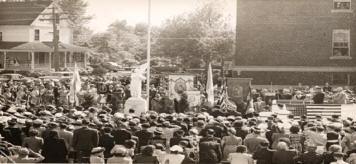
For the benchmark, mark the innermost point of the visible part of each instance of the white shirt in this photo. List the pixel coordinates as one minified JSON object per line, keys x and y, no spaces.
{"x":240,"y":158}
{"x":174,"y":158}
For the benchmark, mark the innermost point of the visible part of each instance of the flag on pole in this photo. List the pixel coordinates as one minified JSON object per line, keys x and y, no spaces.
{"x":210,"y":86}
{"x":75,"y":86}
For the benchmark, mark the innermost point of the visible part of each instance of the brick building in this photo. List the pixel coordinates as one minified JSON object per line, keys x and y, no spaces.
{"x":286,"y":42}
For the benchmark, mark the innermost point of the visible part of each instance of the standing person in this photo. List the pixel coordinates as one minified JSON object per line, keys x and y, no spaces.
{"x":240,"y":157}
{"x":319,"y":96}
{"x":175,"y":156}
{"x":181,"y":105}
{"x":209,"y":149}
{"x":121,"y":134}
{"x":230,"y":142}
{"x":310,"y":157}
{"x":15,"y":132}
{"x":54,"y":149}
{"x":296,"y":138}
{"x":84,"y":140}
{"x":107,"y":141}
{"x":119,"y":156}
{"x":146,"y":156}
{"x":97,"y":155}
{"x":264,"y":154}
{"x":33,"y":142}
{"x":144,"y":135}
{"x":253,"y":143}
{"x":283,"y":155}
{"x":66,"y":135}
{"x":23,"y":156}
{"x":339,"y":157}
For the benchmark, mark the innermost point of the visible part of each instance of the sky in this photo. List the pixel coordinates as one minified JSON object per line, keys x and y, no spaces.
{"x":105,"y":12}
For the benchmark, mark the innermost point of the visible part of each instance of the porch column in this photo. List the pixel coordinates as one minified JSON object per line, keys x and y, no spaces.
{"x":71,"y":58}
{"x":32,"y":60}
{"x":348,"y":79}
{"x":50,"y":60}
{"x":5,"y":61}
{"x":85,"y":59}
{"x":65,"y":59}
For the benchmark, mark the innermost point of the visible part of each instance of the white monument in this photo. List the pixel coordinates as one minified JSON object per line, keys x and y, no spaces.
{"x":136,"y":103}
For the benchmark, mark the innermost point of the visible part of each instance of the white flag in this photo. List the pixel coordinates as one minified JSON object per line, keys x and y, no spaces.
{"x":210,"y":86}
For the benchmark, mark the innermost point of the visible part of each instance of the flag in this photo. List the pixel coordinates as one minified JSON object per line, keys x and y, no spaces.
{"x":210,"y":86}
{"x":75,"y":86}
{"x":224,"y":101}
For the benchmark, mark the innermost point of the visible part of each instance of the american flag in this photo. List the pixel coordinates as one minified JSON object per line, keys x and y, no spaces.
{"x":323,"y":110}
{"x":224,"y":101}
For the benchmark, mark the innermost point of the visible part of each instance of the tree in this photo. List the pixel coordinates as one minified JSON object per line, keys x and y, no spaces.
{"x":76,"y":13}
{"x":196,"y":38}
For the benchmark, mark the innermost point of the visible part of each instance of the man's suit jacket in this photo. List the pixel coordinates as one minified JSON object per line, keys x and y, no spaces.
{"x":210,"y":151}
{"x":84,"y":139}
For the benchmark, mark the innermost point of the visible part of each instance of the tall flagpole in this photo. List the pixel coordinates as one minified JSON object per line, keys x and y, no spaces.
{"x":148,"y":53}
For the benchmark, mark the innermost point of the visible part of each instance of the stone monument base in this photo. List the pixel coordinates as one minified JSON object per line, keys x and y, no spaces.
{"x":137,"y":104}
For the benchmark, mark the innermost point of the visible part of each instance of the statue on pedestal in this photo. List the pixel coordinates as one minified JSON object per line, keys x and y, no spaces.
{"x":136,"y":104}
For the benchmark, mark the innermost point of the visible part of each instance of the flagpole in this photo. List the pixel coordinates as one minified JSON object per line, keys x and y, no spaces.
{"x":148,"y":53}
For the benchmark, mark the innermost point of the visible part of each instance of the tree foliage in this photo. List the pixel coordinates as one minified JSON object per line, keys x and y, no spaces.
{"x":196,"y":38}
{"x":75,"y":11}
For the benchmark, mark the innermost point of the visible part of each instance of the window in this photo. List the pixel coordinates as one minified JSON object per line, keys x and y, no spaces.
{"x":342,"y":5}
{"x":341,"y":43}
{"x":37,"y":35}
{"x":0,"y":36}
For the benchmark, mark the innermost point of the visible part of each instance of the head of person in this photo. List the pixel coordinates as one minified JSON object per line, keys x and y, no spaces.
{"x":339,"y":156}
{"x":160,"y":147}
{"x":176,"y":149}
{"x":23,"y":152}
{"x":33,"y":133}
{"x":98,"y":151}
{"x":53,"y":134}
{"x":119,"y":151}
{"x":210,"y":133}
{"x":294,"y":129}
{"x":148,"y":150}
{"x":241,"y":149}
{"x":130,"y":144}
{"x":231,"y":131}
{"x":335,"y":148}
{"x":282,"y":146}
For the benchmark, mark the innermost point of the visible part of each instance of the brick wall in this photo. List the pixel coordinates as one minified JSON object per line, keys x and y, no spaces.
{"x":290,"y":32}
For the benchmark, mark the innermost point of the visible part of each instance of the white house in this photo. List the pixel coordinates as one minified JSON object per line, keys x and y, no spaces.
{"x":26,"y":36}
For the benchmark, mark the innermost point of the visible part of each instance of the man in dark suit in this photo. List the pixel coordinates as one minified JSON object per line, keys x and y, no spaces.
{"x":143,"y":135}
{"x":264,"y":154}
{"x":121,"y":134}
{"x":84,"y":139}
{"x":319,"y":96}
{"x":210,"y":149}
{"x":107,"y":141}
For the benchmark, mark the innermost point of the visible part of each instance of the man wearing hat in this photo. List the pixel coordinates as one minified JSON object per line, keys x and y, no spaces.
{"x":15,"y":132}
{"x":254,"y":141}
{"x":319,"y":96}
{"x":23,"y":156}
{"x":264,"y":154}
{"x":209,"y":148}
{"x":84,"y":140}
{"x":144,"y":135}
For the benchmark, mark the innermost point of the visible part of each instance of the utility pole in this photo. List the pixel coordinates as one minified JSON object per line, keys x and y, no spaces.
{"x":55,"y":22}
{"x":55,"y":40}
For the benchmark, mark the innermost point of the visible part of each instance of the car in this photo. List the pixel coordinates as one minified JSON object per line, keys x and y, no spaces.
{"x":12,"y":76}
{"x":58,"y":76}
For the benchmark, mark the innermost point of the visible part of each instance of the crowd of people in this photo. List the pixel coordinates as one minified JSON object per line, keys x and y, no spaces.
{"x":39,"y":124}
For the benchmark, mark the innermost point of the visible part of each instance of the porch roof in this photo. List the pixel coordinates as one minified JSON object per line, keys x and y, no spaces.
{"x":39,"y":47}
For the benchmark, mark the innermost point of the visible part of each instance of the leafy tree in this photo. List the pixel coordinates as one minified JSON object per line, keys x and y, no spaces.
{"x":76,"y":13}
{"x":196,"y":38}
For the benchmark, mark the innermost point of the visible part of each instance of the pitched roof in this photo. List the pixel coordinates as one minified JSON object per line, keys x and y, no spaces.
{"x":21,"y":13}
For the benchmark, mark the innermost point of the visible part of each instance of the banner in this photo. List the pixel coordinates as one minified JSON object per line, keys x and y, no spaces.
{"x":238,"y":88}
{"x":180,"y":83}
{"x":194,"y":98}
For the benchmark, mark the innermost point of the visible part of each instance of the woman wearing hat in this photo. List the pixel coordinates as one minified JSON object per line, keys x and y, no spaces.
{"x":119,"y":156}
{"x":97,"y":155}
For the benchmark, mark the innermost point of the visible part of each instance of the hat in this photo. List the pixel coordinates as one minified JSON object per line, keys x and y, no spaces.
{"x":23,"y":151}
{"x":194,"y":131}
{"x":1,"y":137}
{"x":37,"y":121}
{"x":97,"y":150}
{"x":158,"y":131}
{"x":176,"y":148}
{"x":118,"y":150}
